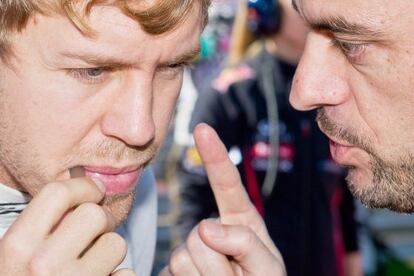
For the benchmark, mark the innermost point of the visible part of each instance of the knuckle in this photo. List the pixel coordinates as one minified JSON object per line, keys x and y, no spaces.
{"x":118,"y":244}
{"x":94,"y":214}
{"x":14,"y":248}
{"x":57,"y":190}
{"x":39,"y":266}
{"x":247,"y":238}
{"x":193,"y":240}
{"x":179,"y":260}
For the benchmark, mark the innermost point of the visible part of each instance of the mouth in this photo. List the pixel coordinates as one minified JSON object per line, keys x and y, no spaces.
{"x":340,"y":152}
{"x":116,"y":180}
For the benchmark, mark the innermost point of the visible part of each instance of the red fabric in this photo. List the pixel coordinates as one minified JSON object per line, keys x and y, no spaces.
{"x":252,"y":186}
{"x":337,"y":232}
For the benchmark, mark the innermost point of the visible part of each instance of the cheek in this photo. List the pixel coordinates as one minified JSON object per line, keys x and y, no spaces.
{"x":48,"y":119}
{"x":385,"y":109}
{"x":21,"y":158}
{"x":165,"y":99}
{"x":21,"y":104}
{"x":48,"y":124}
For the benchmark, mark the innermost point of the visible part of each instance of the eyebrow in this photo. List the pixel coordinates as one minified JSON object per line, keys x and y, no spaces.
{"x":186,"y":58}
{"x":103,"y":61}
{"x":338,"y":25}
{"x":97,"y":60}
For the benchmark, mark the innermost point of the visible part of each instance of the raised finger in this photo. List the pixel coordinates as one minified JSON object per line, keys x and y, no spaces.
{"x":231,"y":197}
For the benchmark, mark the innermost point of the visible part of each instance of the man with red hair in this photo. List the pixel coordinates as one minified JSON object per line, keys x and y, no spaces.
{"x":86,"y":88}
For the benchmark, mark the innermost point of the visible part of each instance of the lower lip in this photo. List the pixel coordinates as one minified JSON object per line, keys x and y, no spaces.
{"x":339,"y":152}
{"x":121,"y":183}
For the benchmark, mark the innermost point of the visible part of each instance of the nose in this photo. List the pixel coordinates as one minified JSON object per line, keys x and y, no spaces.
{"x":320,"y":78}
{"x":129,"y":117}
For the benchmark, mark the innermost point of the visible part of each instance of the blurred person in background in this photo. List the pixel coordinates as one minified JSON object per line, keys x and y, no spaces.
{"x":282,"y":156}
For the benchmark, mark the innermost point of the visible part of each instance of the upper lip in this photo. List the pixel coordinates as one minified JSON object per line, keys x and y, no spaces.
{"x":344,"y":144}
{"x":112,"y":170}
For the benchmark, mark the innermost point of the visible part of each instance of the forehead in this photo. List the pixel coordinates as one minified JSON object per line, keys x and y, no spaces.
{"x":115,"y":35}
{"x":378,"y":13}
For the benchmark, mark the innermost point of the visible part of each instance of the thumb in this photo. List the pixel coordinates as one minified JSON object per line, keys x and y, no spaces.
{"x":244,"y":246}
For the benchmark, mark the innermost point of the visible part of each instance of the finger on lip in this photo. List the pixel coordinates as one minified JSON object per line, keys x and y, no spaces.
{"x":76,"y":172}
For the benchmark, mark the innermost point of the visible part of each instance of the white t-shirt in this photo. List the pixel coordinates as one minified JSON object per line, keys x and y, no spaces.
{"x":12,"y":203}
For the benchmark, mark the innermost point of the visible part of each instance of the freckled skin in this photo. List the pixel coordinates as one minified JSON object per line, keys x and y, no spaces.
{"x":53,"y":116}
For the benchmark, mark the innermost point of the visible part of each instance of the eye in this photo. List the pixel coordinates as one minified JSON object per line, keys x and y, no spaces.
{"x":90,"y":75}
{"x":176,"y":65}
{"x":352,"y":50}
{"x":94,"y":72}
{"x":172,"y":70}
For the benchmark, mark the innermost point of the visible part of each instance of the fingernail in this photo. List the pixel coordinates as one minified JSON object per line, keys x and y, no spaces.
{"x":213,"y":229}
{"x":99,"y":183}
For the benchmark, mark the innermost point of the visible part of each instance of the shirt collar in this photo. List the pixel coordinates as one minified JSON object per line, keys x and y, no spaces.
{"x":12,"y":203}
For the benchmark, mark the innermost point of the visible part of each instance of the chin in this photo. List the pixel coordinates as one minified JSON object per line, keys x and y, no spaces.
{"x":381,"y":192}
{"x":119,"y":206}
{"x":359,"y":179}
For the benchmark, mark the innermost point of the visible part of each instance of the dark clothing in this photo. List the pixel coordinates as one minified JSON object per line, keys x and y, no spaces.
{"x":309,"y":213}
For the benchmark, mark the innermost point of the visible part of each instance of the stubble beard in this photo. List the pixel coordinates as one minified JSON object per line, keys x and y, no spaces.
{"x":391,"y":187}
{"x":390,"y":184}
{"x":119,"y":206}
{"x":111,"y":149}
{"x":21,"y":165}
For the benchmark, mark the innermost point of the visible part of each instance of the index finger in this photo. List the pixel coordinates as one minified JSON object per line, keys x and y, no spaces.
{"x":231,"y":197}
{"x":48,"y":207}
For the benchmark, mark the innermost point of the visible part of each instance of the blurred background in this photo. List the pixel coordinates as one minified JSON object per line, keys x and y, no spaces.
{"x":335,"y":233}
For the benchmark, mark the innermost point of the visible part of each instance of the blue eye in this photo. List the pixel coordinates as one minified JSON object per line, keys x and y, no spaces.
{"x":94,"y":72}
{"x":90,"y":75}
{"x":172,"y":70}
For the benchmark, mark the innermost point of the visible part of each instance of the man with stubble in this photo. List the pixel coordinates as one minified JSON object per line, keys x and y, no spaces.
{"x":86,"y":88}
{"x":357,"y":70}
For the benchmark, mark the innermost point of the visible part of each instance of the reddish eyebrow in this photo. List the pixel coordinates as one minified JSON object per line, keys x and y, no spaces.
{"x":97,"y":60}
{"x":103,"y":61}
{"x":188,"y":57}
